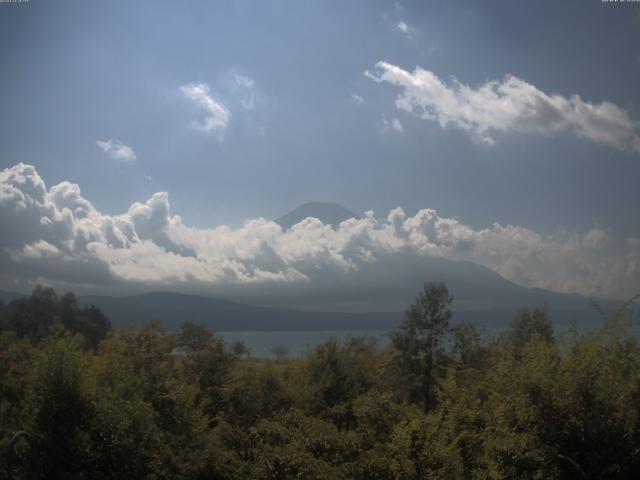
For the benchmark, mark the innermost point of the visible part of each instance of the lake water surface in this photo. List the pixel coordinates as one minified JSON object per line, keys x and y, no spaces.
{"x":298,"y":343}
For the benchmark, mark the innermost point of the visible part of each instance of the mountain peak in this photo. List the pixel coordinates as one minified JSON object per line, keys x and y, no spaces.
{"x":327,"y":213}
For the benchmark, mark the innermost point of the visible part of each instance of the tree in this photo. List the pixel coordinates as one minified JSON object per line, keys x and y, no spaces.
{"x":280,"y":352}
{"x":527,"y":327}
{"x":193,"y":336}
{"x":240,"y":348}
{"x":210,"y":367}
{"x":420,"y":339}
{"x":465,"y":343}
{"x":338,"y":374}
{"x":89,"y":321}
{"x":34,"y":317}
{"x":95,"y":326}
{"x":253,"y":392}
{"x":58,"y":407}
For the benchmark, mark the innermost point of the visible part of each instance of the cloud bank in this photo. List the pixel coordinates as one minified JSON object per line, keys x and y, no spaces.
{"x":508,"y":105}
{"x":55,"y":235}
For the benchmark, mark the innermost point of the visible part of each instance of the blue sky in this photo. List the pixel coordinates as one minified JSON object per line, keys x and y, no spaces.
{"x":304,"y":123}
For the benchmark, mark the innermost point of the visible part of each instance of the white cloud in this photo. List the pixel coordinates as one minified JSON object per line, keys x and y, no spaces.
{"x":218,"y":115}
{"x":404,"y":28}
{"x":510,"y":105}
{"x":392,"y":125}
{"x":357,"y":99}
{"x":396,"y":125}
{"x":57,"y":235}
{"x":244,"y":81}
{"x":248,"y":101}
{"x":247,"y":88}
{"x":117,"y":150}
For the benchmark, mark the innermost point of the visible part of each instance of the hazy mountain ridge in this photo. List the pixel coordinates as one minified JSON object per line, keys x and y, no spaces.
{"x":171,"y":309}
{"x":329,"y":213}
{"x":360,"y":301}
{"x":224,"y":315}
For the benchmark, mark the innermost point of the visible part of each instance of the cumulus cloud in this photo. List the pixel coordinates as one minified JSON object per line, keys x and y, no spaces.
{"x":117,"y":150}
{"x":508,"y":105}
{"x":218,"y":115}
{"x":56,"y":234}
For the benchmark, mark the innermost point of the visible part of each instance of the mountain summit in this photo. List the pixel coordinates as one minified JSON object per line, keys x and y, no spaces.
{"x":327,"y":213}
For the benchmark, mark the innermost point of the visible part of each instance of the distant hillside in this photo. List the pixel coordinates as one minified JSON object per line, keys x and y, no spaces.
{"x":6,"y":297}
{"x":392,"y":282}
{"x":328,"y":213}
{"x":171,"y":309}
{"x":222,"y":315}
{"x":371,"y":298}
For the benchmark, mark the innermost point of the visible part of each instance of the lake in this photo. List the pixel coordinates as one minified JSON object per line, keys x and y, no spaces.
{"x":299,"y":343}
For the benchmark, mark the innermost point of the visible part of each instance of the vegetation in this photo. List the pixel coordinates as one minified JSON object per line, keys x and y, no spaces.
{"x":440,"y":402}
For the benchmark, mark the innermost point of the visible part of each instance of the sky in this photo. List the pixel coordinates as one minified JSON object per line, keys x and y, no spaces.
{"x":157,"y":139}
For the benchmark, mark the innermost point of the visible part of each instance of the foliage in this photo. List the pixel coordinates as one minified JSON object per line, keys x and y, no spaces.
{"x":151,"y":404}
{"x":35,"y":317}
{"x":420,"y":340}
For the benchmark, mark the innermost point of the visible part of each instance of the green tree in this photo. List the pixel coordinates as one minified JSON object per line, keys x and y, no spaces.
{"x":241,"y":349}
{"x":89,"y":321}
{"x":280,"y":352}
{"x":193,"y":336}
{"x":16,"y":356}
{"x":209,"y":365}
{"x":59,"y":408}
{"x":149,"y":421}
{"x":253,"y":392}
{"x":527,"y":326}
{"x":465,"y":344}
{"x":420,"y":339}
{"x":34,"y":317}
{"x":338,"y":374}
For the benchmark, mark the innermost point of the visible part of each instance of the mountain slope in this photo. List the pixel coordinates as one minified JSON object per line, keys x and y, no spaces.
{"x":392,"y":282}
{"x":361,"y":300}
{"x":328,"y":213}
